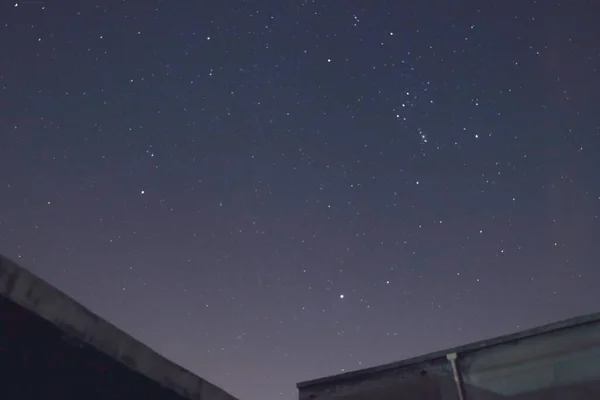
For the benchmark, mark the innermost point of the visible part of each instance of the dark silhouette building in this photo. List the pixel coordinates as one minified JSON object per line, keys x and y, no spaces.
{"x":556,"y":361}
{"x":51,"y":347}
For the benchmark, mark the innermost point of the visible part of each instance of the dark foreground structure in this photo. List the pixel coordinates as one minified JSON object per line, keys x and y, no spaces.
{"x":51,"y":347}
{"x":552,"y":362}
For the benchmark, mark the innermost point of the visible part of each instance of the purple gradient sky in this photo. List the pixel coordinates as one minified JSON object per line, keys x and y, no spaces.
{"x":272,"y":191}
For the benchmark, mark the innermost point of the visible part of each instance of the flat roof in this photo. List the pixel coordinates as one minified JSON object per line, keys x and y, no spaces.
{"x":31,"y":292}
{"x":372,"y":372}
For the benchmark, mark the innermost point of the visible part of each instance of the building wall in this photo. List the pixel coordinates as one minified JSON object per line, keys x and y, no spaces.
{"x":558,"y":364}
{"x":431,"y":381}
{"x":52,"y":347}
{"x":38,"y":361}
{"x":561,"y":362}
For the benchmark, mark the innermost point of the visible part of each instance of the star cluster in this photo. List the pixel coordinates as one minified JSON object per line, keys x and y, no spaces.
{"x":268,"y":192}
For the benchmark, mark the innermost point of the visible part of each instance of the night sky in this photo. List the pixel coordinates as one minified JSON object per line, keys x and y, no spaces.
{"x":272,"y":191}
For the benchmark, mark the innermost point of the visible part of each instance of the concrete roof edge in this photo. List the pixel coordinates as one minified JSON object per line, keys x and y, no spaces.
{"x":365,"y":373}
{"x":38,"y":296}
